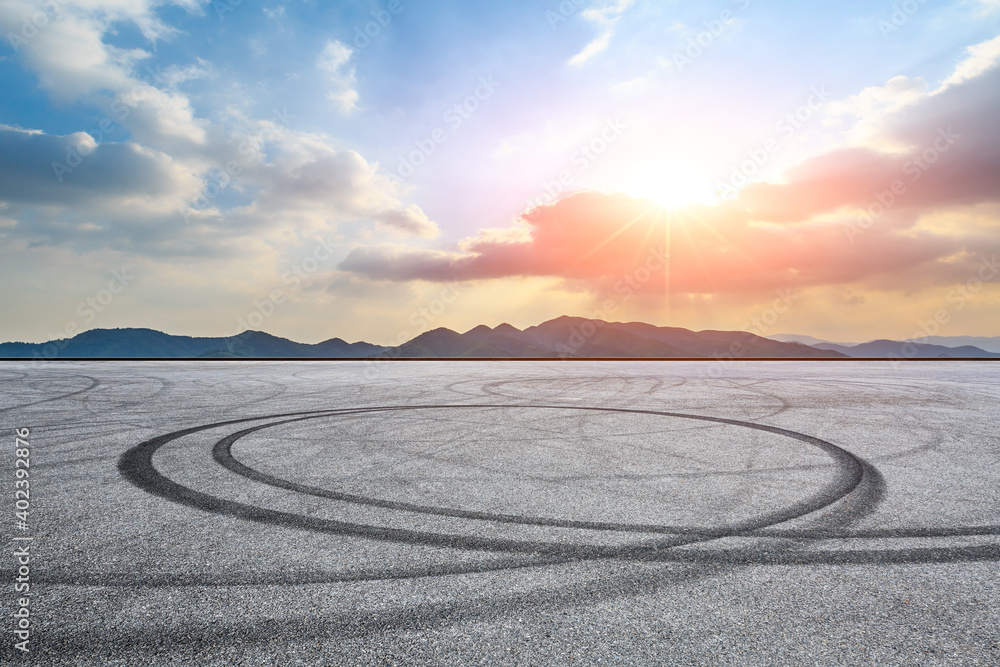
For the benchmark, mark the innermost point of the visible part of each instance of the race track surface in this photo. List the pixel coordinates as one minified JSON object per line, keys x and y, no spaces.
{"x":483,"y":513}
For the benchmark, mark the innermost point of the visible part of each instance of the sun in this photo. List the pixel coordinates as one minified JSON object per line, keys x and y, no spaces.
{"x":669,"y":186}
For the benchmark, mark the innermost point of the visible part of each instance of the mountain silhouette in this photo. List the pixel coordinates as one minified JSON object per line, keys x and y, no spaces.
{"x":895,"y":349}
{"x":149,"y":343}
{"x":563,"y":337}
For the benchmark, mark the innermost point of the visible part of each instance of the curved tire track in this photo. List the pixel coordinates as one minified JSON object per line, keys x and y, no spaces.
{"x":137,"y":467}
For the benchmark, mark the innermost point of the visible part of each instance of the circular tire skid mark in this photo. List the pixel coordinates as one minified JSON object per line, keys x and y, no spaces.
{"x":854,"y":492}
{"x":855,"y":489}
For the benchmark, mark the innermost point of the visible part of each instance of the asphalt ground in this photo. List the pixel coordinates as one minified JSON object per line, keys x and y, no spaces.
{"x":485,"y":513}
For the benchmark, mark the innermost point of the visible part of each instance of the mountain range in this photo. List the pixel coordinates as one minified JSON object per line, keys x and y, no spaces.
{"x":579,"y":337}
{"x":148,"y":343}
{"x":920,"y":348}
{"x":563,"y":337}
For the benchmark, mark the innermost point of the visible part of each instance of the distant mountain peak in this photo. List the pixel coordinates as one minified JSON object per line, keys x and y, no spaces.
{"x":441,"y":331}
{"x":565,"y":337}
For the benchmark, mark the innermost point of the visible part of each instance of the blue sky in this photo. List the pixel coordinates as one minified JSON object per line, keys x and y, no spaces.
{"x":315,"y":120}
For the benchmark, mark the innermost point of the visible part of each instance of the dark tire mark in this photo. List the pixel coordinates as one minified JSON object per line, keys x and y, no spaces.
{"x":850,"y":477}
{"x":94,"y":383}
{"x":690,"y":567}
{"x":136,"y":466}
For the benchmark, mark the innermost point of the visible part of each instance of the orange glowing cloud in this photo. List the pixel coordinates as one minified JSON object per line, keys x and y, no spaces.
{"x":846,"y":216}
{"x":598,"y":241}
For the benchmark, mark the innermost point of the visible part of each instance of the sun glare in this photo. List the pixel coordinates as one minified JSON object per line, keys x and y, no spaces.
{"x":670,"y":186}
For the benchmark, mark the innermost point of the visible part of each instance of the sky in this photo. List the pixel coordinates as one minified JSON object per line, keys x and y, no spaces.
{"x":370,"y":170}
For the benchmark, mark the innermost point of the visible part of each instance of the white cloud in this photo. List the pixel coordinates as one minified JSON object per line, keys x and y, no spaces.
{"x":68,"y":55}
{"x":592,"y":49}
{"x":874,"y":110}
{"x":140,"y":12}
{"x":334,"y":55}
{"x":897,"y":92}
{"x":333,"y":60}
{"x":608,"y":13}
{"x":67,"y":49}
{"x":275,"y":13}
{"x":175,"y":76}
{"x":410,"y":219}
{"x":73,"y":61}
{"x":870,"y":109}
{"x":346,"y":100}
{"x":162,"y":118}
{"x":90,"y":176}
{"x":982,"y":57}
{"x":988,"y":6}
{"x":320,"y":186}
{"x":606,"y":17}
{"x":138,"y":196}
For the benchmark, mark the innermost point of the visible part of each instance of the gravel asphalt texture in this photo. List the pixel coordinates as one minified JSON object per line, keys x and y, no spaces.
{"x":485,"y":513}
